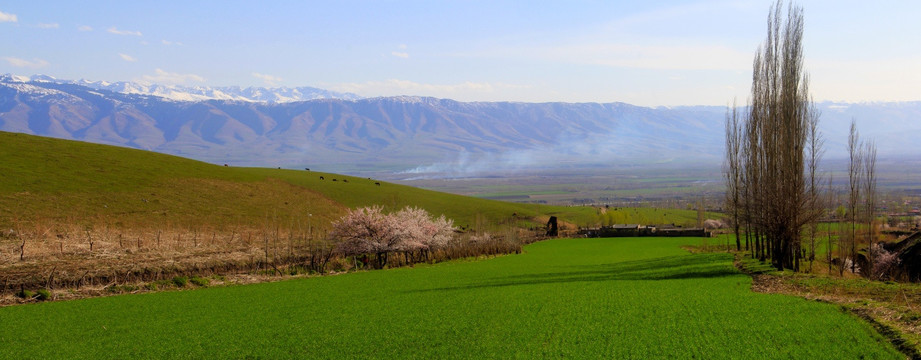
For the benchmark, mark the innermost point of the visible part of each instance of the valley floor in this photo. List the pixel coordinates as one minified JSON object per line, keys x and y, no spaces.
{"x":566,"y":298}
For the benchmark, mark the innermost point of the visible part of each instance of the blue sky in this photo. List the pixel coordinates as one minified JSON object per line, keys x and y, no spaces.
{"x":641,"y":52}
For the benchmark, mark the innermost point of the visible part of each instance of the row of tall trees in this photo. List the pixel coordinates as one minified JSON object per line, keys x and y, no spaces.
{"x":774,"y":148}
{"x":774,"y":191}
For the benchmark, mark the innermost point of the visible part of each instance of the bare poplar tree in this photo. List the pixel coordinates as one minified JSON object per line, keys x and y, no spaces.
{"x":815,"y":148}
{"x":853,"y":201}
{"x":869,"y":188}
{"x":700,"y":212}
{"x":832,"y":199}
{"x":754,"y":192}
{"x":733,"y":170}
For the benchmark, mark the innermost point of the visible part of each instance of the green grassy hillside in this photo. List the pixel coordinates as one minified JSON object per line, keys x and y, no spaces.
{"x":45,"y":179}
{"x":59,"y":180}
{"x":627,"y":298}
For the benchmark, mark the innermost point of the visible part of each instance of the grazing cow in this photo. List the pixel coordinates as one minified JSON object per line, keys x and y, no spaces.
{"x":377,"y":183}
{"x":225,"y":164}
{"x":322,"y":178}
{"x":308,"y":169}
{"x":334,"y":180}
{"x":279,"y":168}
{"x":345,"y":180}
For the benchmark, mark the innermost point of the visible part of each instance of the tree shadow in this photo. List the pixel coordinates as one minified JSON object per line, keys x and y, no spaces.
{"x":699,"y":266}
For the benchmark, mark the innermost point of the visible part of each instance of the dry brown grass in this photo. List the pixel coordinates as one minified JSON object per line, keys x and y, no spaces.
{"x":75,"y":260}
{"x":183,"y":226}
{"x":56,"y":255}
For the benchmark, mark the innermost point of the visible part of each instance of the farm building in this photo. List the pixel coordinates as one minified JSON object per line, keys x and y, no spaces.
{"x":633,"y":230}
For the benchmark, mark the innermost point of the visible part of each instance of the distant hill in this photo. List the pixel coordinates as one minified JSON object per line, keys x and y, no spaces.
{"x":403,"y":134}
{"x":51,"y":182}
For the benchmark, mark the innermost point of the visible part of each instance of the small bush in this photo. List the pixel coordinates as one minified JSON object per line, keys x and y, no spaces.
{"x":43,"y":294}
{"x":180,"y":281}
{"x":25,"y":294}
{"x":151,"y":286}
{"x":117,"y":289}
{"x":712,"y":224}
{"x":198,"y":281}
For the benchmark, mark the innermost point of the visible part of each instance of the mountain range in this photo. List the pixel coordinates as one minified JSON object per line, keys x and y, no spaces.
{"x":304,"y":127}
{"x":195,"y":93}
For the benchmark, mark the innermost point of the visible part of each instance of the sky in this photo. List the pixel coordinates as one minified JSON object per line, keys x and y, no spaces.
{"x":649,"y":53}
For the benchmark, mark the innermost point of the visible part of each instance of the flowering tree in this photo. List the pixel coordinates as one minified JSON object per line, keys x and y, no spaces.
{"x":369,"y":231}
{"x":420,"y":232}
{"x":713,"y":224}
{"x":885,"y":262}
{"x":413,"y":228}
{"x":442,"y":233}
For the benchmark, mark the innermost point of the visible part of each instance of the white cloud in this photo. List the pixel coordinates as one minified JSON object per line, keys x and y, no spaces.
{"x":85,"y":28}
{"x":127,"y":57}
{"x":269,"y":79}
{"x":48,"y":26}
{"x":5,"y":17}
{"x":162,"y":77}
{"x":625,"y":55}
{"x":34,"y":64}
{"x":465,"y":90}
{"x":168,"y":43}
{"x":113,"y":30}
{"x":403,"y":54}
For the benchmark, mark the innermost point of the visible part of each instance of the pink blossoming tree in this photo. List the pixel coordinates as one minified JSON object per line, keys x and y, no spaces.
{"x":368,"y":231}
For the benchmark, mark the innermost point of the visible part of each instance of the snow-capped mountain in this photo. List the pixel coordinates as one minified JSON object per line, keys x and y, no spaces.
{"x":407,"y":133}
{"x":195,"y":93}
